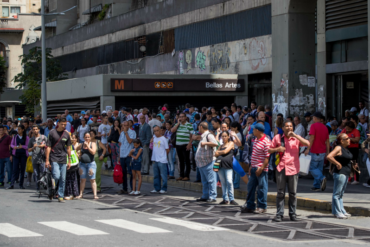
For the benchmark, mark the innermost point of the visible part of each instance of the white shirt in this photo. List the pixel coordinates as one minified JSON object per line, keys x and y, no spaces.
{"x":364,"y":112}
{"x":82,"y":130}
{"x":154,"y":122}
{"x":160,"y":144}
{"x":129,"y":117}
{"x":104,"y":129}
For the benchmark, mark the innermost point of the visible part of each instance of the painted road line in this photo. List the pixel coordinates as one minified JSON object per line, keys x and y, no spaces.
{"x":13,"y":231}
{"x":72,"y":228}
{"x":190,"y":225}
{"x":136,"y":227}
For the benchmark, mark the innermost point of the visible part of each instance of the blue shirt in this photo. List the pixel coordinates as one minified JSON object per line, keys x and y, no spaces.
{"x":195,"y":125}
{"x":125,"y":146}
{"x":210,"y":126}
{"x":267,"y":129}
{"x":160,"y":114}
{"x":192,"y":117}
{"x":46,"y":131}
{"x":69,"y":118}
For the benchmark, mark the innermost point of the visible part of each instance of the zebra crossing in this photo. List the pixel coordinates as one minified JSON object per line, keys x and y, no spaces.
{"x":16,"y":231}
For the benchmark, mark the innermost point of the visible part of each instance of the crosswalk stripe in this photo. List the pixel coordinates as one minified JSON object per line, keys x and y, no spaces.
{"x":72,"y":228}
{"x":13,"y":231}
{"x":136,"y":227}
{"x":190,"y":225}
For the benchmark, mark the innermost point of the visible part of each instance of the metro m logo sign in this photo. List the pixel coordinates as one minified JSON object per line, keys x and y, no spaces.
{"x":119,"y":84}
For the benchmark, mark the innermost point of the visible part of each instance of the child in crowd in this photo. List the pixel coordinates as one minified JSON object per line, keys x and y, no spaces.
{"x":137,"y":157}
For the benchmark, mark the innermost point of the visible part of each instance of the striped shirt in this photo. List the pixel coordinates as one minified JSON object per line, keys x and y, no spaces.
{"x":260,"y":151}
{"x":183,"y":134}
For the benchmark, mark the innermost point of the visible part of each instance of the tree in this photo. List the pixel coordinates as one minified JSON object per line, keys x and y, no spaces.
{"x":3,"y":70}
{"x":31,"y":77}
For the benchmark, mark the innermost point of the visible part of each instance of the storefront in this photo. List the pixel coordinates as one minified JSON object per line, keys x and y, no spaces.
{"x":152,"y":91}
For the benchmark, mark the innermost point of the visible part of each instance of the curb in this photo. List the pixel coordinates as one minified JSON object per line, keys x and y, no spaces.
{"x":302,"y":202}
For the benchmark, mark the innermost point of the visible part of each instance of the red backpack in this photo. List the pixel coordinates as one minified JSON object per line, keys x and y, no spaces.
{"x":118,"y":174}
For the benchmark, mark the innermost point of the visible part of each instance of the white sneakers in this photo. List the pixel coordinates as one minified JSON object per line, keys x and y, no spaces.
{"x":135,"y":193}
{"x":366,"y":185}
{"x":354,"y":182}
{"x":156,"y":192}
{"x":132,"y":193}
{"x":347,"y":215}
{"x":163,"y":192}
{"x":341,"y":216}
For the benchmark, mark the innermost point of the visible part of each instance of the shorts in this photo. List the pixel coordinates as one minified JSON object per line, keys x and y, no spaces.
{"x":136,"y":166}
{"x":88,"y":170}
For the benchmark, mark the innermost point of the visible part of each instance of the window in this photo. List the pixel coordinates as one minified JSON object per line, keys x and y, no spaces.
{"x":5,"y":12}
{"x":15,"y":10}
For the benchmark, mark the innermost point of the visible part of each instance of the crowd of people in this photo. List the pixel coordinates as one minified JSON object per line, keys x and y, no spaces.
{"x":223,"y":146}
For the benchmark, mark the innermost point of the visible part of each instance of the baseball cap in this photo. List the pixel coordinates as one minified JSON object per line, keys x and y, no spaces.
{"x":259,"y":127}
{"x":83,"y":112}
{"x":353,"y":109}
{"x":164,"y":108}
{"x":318,"y":115}
{"x":104,"y":112}
{"x":186,"y":110}
{"x":307,"y":114}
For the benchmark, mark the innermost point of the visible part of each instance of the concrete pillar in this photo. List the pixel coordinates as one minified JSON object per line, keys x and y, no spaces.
{"x":243,"y":99}
{"x":293,"y":56}
{"x":107,"y":101}
{"x":321,"y":59}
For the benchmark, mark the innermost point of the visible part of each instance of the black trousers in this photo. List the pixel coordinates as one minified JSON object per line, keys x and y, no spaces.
{"x":184,"y":158}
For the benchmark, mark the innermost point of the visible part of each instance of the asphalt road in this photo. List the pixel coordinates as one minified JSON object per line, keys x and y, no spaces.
{"x":26,"y":220}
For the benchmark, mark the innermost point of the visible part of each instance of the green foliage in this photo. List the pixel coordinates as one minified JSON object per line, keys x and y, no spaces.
{"x":103,"y":12}
{"x":3,"y":70}
{"x":31,"y":78}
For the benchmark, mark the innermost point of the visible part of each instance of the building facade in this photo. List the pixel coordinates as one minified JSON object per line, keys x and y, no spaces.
{"x":17,"y":28}
{"x":294,"y":55}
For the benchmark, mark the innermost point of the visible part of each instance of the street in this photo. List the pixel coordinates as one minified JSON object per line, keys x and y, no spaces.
{"x":161,"y":220}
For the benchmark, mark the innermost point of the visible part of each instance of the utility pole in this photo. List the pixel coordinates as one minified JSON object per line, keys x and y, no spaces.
{"x":43,"y":64}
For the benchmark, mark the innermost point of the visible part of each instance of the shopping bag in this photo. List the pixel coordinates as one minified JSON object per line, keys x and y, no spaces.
{"x":74,"y":162}
{"x":304,"y":162}
{"x":29,"y":167}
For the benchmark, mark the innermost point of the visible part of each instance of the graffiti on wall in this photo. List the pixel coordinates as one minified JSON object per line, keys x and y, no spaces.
{"x":188,"y":58}
{"x":219,"y":57}
{"x":201,"y":60}
{"x":181,"y":62}
{"x":257,"y":53}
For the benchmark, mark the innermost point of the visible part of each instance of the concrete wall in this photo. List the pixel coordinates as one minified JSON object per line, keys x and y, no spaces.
{"x":23,"y":4}
{"x":151,"y":19}
{"x":65,"y":22}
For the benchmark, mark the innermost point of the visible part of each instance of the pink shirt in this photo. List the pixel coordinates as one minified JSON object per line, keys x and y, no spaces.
{"x":146,"y":118}
{"x":321,"y":134}
{"x":290,"y":159}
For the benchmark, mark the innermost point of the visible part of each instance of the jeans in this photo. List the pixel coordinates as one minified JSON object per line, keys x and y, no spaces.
{"x":184,"y":158}
{"x":38,"y":170}
{"x":340,"y":184}
{"x":261,"y":184}
{"x":209,"y":181}
{"x":198,"y":176}
{"x":316,"y":167}
{"x":146,"y":160}
{"x":126,"y":168}
{"x":59,"y":174}
{"x":236,"y":179}
{"x":85,"y":169}
{"x":19,"y":168}
{"x":226,"y":178}
{"x":160,"y":171}
{"x":171,"y":165}
{"x":5,"y":165}
{"x":282,"y":181}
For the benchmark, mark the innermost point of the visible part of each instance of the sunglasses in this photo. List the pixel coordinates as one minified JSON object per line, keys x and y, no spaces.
{"x":345,"y":139}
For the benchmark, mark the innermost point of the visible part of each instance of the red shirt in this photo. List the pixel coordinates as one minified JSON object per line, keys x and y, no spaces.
{"x":4,"y":146}
{"x":353,"y":134}
{"x":321,"y":134}
{"x":290,"y":159}
{"x":260,"y":152}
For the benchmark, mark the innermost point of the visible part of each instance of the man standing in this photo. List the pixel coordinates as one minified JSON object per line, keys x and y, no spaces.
{"x":288,"y":168}
{"x":145,"y":114}
{"x":37,"y":145}
{"x":363,"y":110}
{"x":235,"y":112}
{"x":68,"y":126}
{"x":183,"y":131}
{"x":299,"y":129}
{"x":192,"y":113}
{"x":94,"y":125}
{"x":56,"y":154}
{"x":26,"y":125}
{"x":308,"y":118}
{"x":145,"y":134}
{"x":154,"y":122}
{"x":68,"y":117}
{"x":126,"y":138}
{"x":363,"y":121}
{"x":254,"y":109}
{"x":122,"y":114}
{"x":76,"y":121}
{"x":159,"y":157}
{"x":163,"y":112}
{"x":262,"y":117}
{"x":209,"y":121}
{"x":205,"y":159}
{"x":103,"y":132}
{"x":258,"y":172}
{"x":49,"y":127}
{"x":82,"y":129}
{"x":5,"y":163}
{"x":319,"y":149}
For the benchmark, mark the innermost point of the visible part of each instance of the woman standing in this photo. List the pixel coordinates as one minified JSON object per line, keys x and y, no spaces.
{"x":236,"y":127}
{"x":19,"y":145}
{"x":214,"y":113}
{"x":341,"y":157}
{"x":279,"y":127}
{"x":171,"y":165}
{"x":224,"y":154}
{"x":71,"y":190}
{"x":88,"y":165}
{"x":98,"y":158}
{"x":114,"y":134}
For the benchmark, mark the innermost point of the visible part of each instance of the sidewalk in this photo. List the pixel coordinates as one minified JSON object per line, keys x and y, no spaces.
{"x":356,"y":198}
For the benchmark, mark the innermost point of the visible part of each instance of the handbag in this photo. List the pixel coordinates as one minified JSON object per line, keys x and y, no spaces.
{"x":354,"y":169}
{"x":75,"y":163}
{"x":29,"y":166}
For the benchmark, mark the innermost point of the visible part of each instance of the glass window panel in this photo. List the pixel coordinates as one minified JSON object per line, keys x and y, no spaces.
{"x":6,"y":11}
{"x":15,"y":10}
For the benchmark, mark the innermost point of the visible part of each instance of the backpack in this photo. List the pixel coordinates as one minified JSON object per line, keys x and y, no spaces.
{"x":47,"y":184}
{"x":173,"y":139}
{"x":118,"y":174}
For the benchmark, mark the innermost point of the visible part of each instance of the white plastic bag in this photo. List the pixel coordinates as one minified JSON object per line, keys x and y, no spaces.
{"x":304,"y":162}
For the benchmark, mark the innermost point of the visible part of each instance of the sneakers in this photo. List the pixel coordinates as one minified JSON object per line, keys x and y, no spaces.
{"x":355,"y":182}
{"x":347,"y":215}
{"x":293,"y":217}
{"x":278,"y":218}
{"x":137,"y":193}
{"x":211,"y":200}
{"x":323,"y":184}
{"x":315,"y":189}
{"x":154,"y":192}
{"x":61,"y":200}
{"x":341,"y":216}
{"x":163,"y":192}
{"x":260,"y":211}
{"x":10,"y":187}
{"x":132,"y":193}
{"x":224,"y":202}
{"x":122,"y":192}
{"x":201,"y":200}
{"x":234,"y":203}
{"x":366,"y":185}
